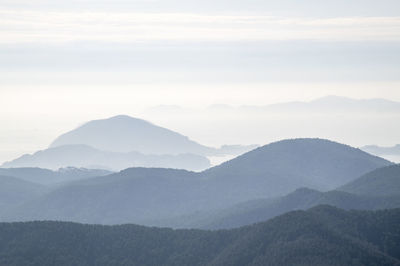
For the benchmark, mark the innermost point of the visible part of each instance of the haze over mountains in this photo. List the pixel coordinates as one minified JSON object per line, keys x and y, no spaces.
{"x":327,"y":104}
{"x":244,"y":195}
{"x":378,"y":189}
{"x":187,"y":132}
{"x":121,"y":142}
{"x":314,"y":163}
{"x":79,"y":155}
{"x":15,"y":191}
{"x":151,"y":196}
{"x":126,"y":134}
{"x":391,"y":153}
{"x":366,"y":121}
{"x":255,"y":186}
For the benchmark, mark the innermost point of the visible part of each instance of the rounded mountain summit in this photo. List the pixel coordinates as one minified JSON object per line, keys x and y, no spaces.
{"x":125,"y":134}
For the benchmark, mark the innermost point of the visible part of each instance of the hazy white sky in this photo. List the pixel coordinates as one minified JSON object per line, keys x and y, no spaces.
{"x":66,"y":62}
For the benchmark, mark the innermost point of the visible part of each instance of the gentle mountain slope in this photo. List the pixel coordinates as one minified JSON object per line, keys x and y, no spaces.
{"x":88,"y":157}
{"x":130,"y":196}
{"x":380,"y":182}
{"x":127,"y":134}
{"x":321,"y":236}
{"x":15,"y":191}
{"x":281,"y":167}
{"x":49,"y":177}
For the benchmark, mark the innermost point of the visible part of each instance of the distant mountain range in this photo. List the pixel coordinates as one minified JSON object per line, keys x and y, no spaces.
{"x":79,"y":155}
{"x":49,"y":177}
{"x":338,"y":104}
{"x":327,"y":104}
{"x":144,"y":196}
{"x":365,"y":121}
{"x":278,"y":204}
{"x":382,"y":151}
{"x":321,"y":236}
{"x":121,"y":142}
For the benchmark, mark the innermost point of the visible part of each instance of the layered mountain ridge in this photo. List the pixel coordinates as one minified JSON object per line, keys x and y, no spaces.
{"x":152,"y":195}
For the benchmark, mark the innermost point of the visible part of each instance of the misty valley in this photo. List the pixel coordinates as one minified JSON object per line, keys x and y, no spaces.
{"x":200,"y":133}
{"x":304,"y":201}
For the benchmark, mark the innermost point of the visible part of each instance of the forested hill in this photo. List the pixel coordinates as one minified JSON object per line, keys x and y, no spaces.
{"x":321,"y":236}
{"x":383,"y":181}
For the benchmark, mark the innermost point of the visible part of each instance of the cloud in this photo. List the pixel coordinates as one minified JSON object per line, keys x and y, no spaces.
{"x":18,"y":26}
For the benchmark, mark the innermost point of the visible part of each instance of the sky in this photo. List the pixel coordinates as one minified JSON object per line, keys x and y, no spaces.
{"x":66,"y":62}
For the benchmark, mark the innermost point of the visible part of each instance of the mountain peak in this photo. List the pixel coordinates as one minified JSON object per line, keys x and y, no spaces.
{"x":125,"y":118}
{"x":123,"y":133}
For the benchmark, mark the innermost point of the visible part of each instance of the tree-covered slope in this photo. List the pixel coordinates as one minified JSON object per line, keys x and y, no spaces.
{"x":380,"y":182}
{"x":320,"y":236}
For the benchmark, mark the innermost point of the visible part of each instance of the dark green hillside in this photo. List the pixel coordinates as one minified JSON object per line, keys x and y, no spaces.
{"x":320,"y":236}
{"x":380,"y":182}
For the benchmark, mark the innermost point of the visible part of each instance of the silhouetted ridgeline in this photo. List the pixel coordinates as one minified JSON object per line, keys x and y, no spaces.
{"x":320,"y":236}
